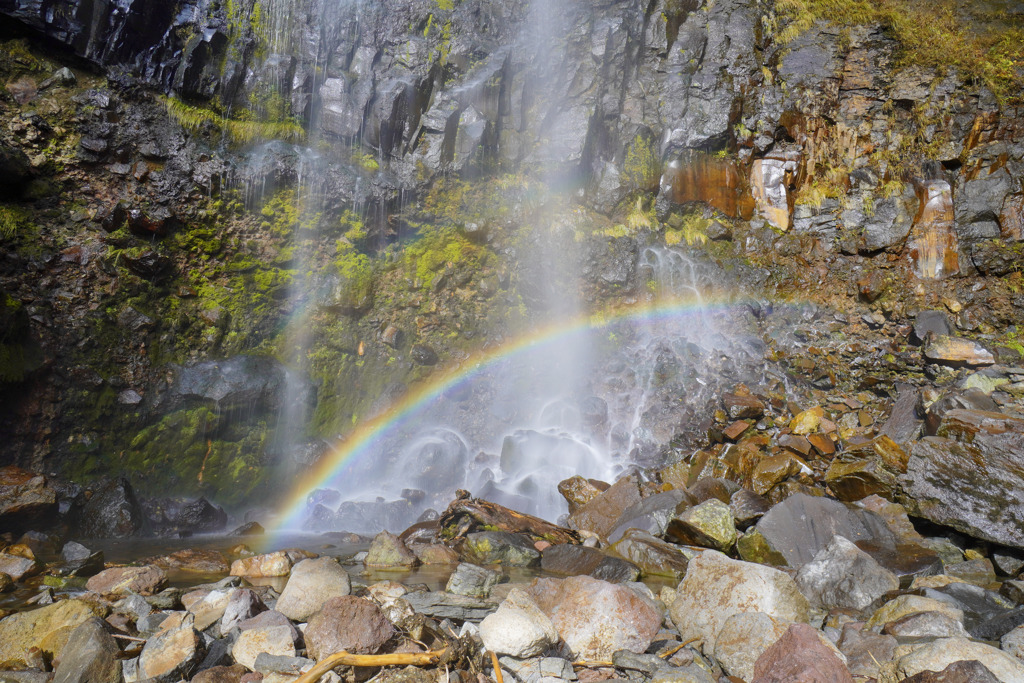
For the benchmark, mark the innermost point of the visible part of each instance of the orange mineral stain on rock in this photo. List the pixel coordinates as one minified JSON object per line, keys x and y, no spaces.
{"x":933,"y":242}
{"x":699,"y":177}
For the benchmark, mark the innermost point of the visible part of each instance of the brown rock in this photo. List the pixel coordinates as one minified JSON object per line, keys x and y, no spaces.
{"x":577,"y":492}
{"x":434,"y":553}
{"x":221,"y":674}
{"x":798,"y":444}
{"x":147,"y":580}
{"x":18,"y":567}
{"x":347,"y":623}
{"x":799,"y":655}
{"x":387,"y":550}
{"x":25,"y":500}
{"x":735,"y":430}
{"x":822,"y":444}
{"x":967,"y":671}
{"x":742,"y":405}
{"x":773,"y":470}
{"x":602,"y":513}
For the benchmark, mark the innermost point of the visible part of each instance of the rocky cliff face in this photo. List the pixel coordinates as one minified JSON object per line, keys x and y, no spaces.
{"x":390,"y":162}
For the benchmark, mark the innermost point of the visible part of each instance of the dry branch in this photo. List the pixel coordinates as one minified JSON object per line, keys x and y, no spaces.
{"x":346,"y":659}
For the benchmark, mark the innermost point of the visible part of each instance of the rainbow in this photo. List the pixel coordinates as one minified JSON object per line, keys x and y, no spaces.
{"x":367,"y":435}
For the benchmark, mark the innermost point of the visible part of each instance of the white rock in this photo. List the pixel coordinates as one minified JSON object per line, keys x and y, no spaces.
{"x":519,"y":628}
{"x":938,"y":654}
{"x":311,"y":584}
{"x":274,"y":640}
{"x":715,"y":588}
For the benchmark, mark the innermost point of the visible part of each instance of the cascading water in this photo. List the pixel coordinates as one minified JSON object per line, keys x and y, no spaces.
{"x":577,"y":391}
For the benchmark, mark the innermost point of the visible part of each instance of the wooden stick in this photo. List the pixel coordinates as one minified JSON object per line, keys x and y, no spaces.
{"x":346,"y":659}
{"x":593,"y":665}
{"x":666,"y":655}
{"x":497,"y":669}
{"x":131,"y":638}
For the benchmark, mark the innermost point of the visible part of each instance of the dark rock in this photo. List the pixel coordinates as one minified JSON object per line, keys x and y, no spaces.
{"x":15,"y":169}
{"x":930,"y":324}
{"x":800,"y":656}
{"x":472,"y":580}
{"x":964,"y":671}
{"x":709,"y":524}
{"x":235,"y":385}
{"x":577,"y":492}
{"x":748,"y":507}
{"x":743,"y":405}
{"x":268,"y":664}
{"x":90,"y":655}
{"x":149,"y":264}
{"x":249,"y":529}
{"x":221,"y":674}
{"x":423,"y":355}
{"x":440,"y":605}
{"x":906,"y":419}
{"x":577,"y":560}
{"x":602,"y":514}
{"x":111,"y":512}
{"x":969,"y":477}
{"x":79,"y":560}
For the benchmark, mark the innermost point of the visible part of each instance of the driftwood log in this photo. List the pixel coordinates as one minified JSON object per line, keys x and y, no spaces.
{"x":466,"y":515}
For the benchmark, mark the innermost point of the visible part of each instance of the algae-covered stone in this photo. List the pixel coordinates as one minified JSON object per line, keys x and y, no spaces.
{"x":807,"y":421}
{"x":772,"y":470}
{"x":754,"y":547}
{"x":499,"y":547}
{"x":47,"y":628}
{"x":710,"y":525}
{"x":387,"y":550}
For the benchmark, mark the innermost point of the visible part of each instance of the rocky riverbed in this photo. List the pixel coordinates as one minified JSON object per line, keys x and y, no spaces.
{"x":817,"y":535}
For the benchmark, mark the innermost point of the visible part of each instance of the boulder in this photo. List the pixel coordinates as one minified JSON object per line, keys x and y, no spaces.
{"x":576,"y":560}
{"x":47,"y":628}
{"x":172,"y":654}
{"x":275,"y":640}
{"x":865,"y":651}
{"x":243,"y":604}
{"x":111,"y":512}
{"x":311,"y":584}
{"x":518,"y":628}
{"x":800,"y":655}
{"x":602,"y":514}
{"x":577,"y":492}
{"x":268,"y":565}
{"x":970,"y":477}
{"x":653,"y":556}
{"x":901,"y":606}
{"x":347,"y":623}
{"x":499,"y":547}
{"x":926,"y":625}
{"x":147,"y":580}
{"x":709,"y":524}
{"x":18,"y":567}
{"x":957,"y":351}
{"x":715,"y":588}
{"x":744,"y":637}
{"x":440,"y":605}
{"x":842,"y":576}
{"x":652,"y":514}
{"x":801,"y":526}
{"x":90,"y":655}
{"x":221,"y":674}
{"x":79,"y":560}
{"x":472,"y":580}
{"x":939,"y":654}
{"x":387,"y":550}
{"x":595,"y":618}
{"x":964,"y":671}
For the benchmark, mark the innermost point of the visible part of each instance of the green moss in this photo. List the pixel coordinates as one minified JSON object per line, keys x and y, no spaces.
{"x":242,"y":131}
{"x":13,"y":221}
{"x":641,"y":168}
{"x":981,"y":41}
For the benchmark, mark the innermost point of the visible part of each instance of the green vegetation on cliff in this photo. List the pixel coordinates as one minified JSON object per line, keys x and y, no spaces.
{"x":980,"y":40}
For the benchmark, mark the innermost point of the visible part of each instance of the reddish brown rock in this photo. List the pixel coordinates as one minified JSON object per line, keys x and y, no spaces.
{"x":147,"y":580}
{"x":799,"y":655}
{"x":602,"y":513}
{"x":742,"y":405}
{"x":347,"y":623}
{"x":221,"y":674}
{"x":969,"y":671}
{"x":577,"y":492}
